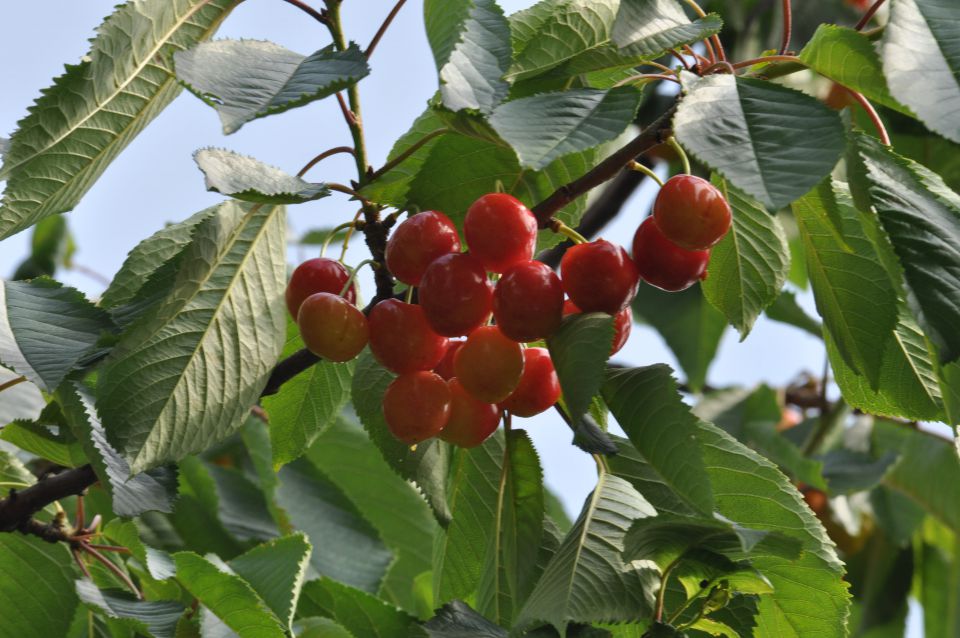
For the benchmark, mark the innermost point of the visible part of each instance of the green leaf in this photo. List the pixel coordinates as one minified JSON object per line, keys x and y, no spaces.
{"x":358,"y":611}
{"x":691,"y":327}
{"x":579,"y":350}
{"x":785,"y":309}
{"x":46,"y":329}
{"x":648,"y":407}
{"x":544,"y":127}
{"x":847,"y":471}
{"x":240,"y":505}
{"x":276,"y":571}
{"x":248,"y":179}
{"x":587,"y":579}
{"x":211,"y":343}
{"x":921,"y":216}
{"x":51,"y":246}
{"x":202,"y":516}
{"x":248,"y":79}
{"x":749,"y":265}
{"x":772,"y":142}
{"x":90,"y":114}
{"x":471,"y":45}
{"x":427,"y":464}
{"x":852,"y":289}
{"x":938,"y":573}
{"x":37,"y":593}
{"x":652,"y":27}
{"x":156,"y":618}
{"x":46,"y":437}
{"x":921,"y":59}
{"x":458,"y":620}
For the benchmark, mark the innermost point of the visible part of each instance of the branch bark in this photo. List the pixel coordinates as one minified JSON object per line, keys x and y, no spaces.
{"x":17,"y":510}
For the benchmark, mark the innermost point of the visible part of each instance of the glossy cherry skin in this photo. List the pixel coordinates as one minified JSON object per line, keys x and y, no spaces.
{"x":691,"y":212}
{"x":664,"y":264}
{"x":402,"y":340}
{"x":331,"y":327}
{"x":622,"y":324}
{"x":528,"y":301}
{"x":445,"y":367}
{"x":416,"y":406}
{"x":539,"y":386}
{"x":455,"y":294}
{"x":500,"y":231}
{"x":489,"y":364}
{"x":599,"y":277}
{"x":317,"y":275}
{"x":471,"y":421}
{"x":417,"y":241}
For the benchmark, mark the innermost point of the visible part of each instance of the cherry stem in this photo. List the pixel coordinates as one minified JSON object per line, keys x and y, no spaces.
{"x":657,"y":65}
{"x":560,"y":228}
{"x":701,"y":61}
{"x":711,"y":53}
{"x":787,"y":26}
{"x":647,"y":77}
{"x":869,"y":14}
{"x":83,"y":568}
{"x":353,"y":274}
{"x":409,"y":296}
{"x":416,"y":146}
{"x":661,"y":595}
{"x":721,"y":54}
{"x":110,"y":548}
{"x":767,"y":58}
{"x":340,"y":188}
{"x":333,"y":233}
{"x":641,"y":168}
{"x":872,"y":113}
{"x":11,"y":383}
{"x":346,"y":240}
{"x":675,"y":145}
{"x":324,"y":155}
{"x":113,"y":568}
{"x":313,"y":13}
{"x":716,"y":66}
{"x":80,"y":521}
{"x":683,"y":60}
{"x":383,"y":28}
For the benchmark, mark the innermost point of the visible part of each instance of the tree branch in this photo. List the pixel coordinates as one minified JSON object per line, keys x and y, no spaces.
{"x":18,"y":508}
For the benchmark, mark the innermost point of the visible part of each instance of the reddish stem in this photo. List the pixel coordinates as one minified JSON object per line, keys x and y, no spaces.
{"x":383,"y":28}
{"x":768,"y":58}
{"x":679,"y":57}
{"x":347,"y":113}
{"x":324,"y":155}
{"x":874,"y":116}
{"x":313,"y":13}
{"x":787,"y":27}
{"x":113,"y":568}
{"x":869,"y":14}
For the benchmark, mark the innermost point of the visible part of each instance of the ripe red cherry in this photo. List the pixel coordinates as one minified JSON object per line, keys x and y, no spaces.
{"x":471,"y":421}
{"x":455,"y":295}
{"x":691,"y":212}
{"x":317,"y":275}
{"x":500,"y":231}
{"x":417,"y":242}
{"x":489,"y":365}
{"x":402,"y":340}
{"x":664,"y":264}
{"x":539,"y":386}
{"x":445,"y":367}
{"x":599,"y":277}
{"x":528,"y":301}
{"x":332,"y":327}
{"x":416,"y":406}
{"x":622,"y":324}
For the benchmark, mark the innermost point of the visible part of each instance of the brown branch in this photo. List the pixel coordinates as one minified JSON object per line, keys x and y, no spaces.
{"x":19,"y":507}
{"x":12,"y":382}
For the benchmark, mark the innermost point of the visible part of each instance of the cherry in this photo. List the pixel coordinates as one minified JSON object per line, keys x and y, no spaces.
{"x":599,"y":277}
{"x":417,"y":242}
{"x":539,"y":386}
{"x":455,"y":294}
{"x":489,"y":365}
{"x":500,"y":231}
{"x":471,"y":421}
{"x":528,"y":301}
{"x":445,"y":367}
{"x":402,"y":340}
{"x":664,"y":264}
{"x":317,"y":275}
{"x":622,"y":324}
{"x":691,"y":212}
{"x":416,"y":406}
{"x":332,"y":327}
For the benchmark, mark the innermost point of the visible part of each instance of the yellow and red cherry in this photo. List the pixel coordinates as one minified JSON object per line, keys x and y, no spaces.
{"x":416,"y":406}
{"x":664,"y":264}
{"x":445,"y":367}
{"x":317,"y":275}
{"x":691,"y":212}
{"x":331,"y":327}
{"x":500,"y":231}
{"x":539,"y":386}
{"x":528,"y":301}
{"x":489,"y":364}
{"x":418,"y":241}
{"x":622,"y":324}
{"x":471,"y":420}
{"x":599,"y":277}
{"x":455,"y":295}
{"x":402,"y":340}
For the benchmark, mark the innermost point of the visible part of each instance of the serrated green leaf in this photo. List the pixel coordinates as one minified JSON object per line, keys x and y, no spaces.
{"x":45,"y":439}
{"x":90,"y":114}
{"x":240,"y":505}
{"x":770,"y":141}
{"x":158,"y":564}
{"x":46,"y":328}
{"x":458,"y":620}
{"x":212,"y":342}
{"x":357,"y":611}
{"x":749,"y":265}
{"x":156,"y":618}
{"x":847,"y":471}
{"x":250,"y":180}
{"x":785,"y":309}
{"x":248,"y":79}
{"x":276,"y":571}
{"x":938,"y":574}
{"x":652,"y":27}
{"x":37,"y":583}
{"x":579,"y":350}
{"x":201,"y":516}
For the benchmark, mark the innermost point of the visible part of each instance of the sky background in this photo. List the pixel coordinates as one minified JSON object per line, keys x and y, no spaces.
{"x":155,"y":180}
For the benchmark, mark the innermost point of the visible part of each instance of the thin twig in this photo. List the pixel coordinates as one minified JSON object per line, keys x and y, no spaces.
{"x":787,"y":27}
{"x":872,"y":113}
{"x":313,"y":13}
{"x":91,"y":273}
{"x":383,"y":28}
{"x":869,"y":14}
{"x":679,"y":57}
{"x":12,"y":382}
{"x":416,"y":146}
{"x":340,"y":188}
{"x":113,"y":568}
{"x":767,"y":58}
{"x":322,"y":156}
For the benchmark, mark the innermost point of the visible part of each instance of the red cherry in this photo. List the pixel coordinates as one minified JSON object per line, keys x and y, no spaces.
{"x":528,"y":301}
{"x":317,"y":275}
{"x":664,"y":264}
{"x":622,"y":324}
{"x":416,"y":406}
{"x":489,"y":365}
{"x":445,"y":367}
{"x":417,"y":242}
{"x":402,"y":340}
{"x":539,"y":386}
{"x":471,"y":421}
{"x":455,"y":295}
{"x":599,"y":277}
{"x":500,"y":231}
{"x":332,"y":327}
{"x":691,"y":212}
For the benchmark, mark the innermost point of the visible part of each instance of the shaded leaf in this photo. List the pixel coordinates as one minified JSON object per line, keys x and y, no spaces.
{"x":247,"y":179}
{"x":847,"y":471}
{"x":357,"y":611}
{"x":645,"y":27}
{"x":37,"y":580}
{"x":579,"y":350}
{"x":458,"y":620}
{"x":785,"y":309}
{"x":157,"y":618}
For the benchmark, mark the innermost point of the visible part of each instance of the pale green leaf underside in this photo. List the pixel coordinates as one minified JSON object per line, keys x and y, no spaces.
{"x":651,"y":27}
{"x":157,"y":618}
{"x":248,"y":179}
